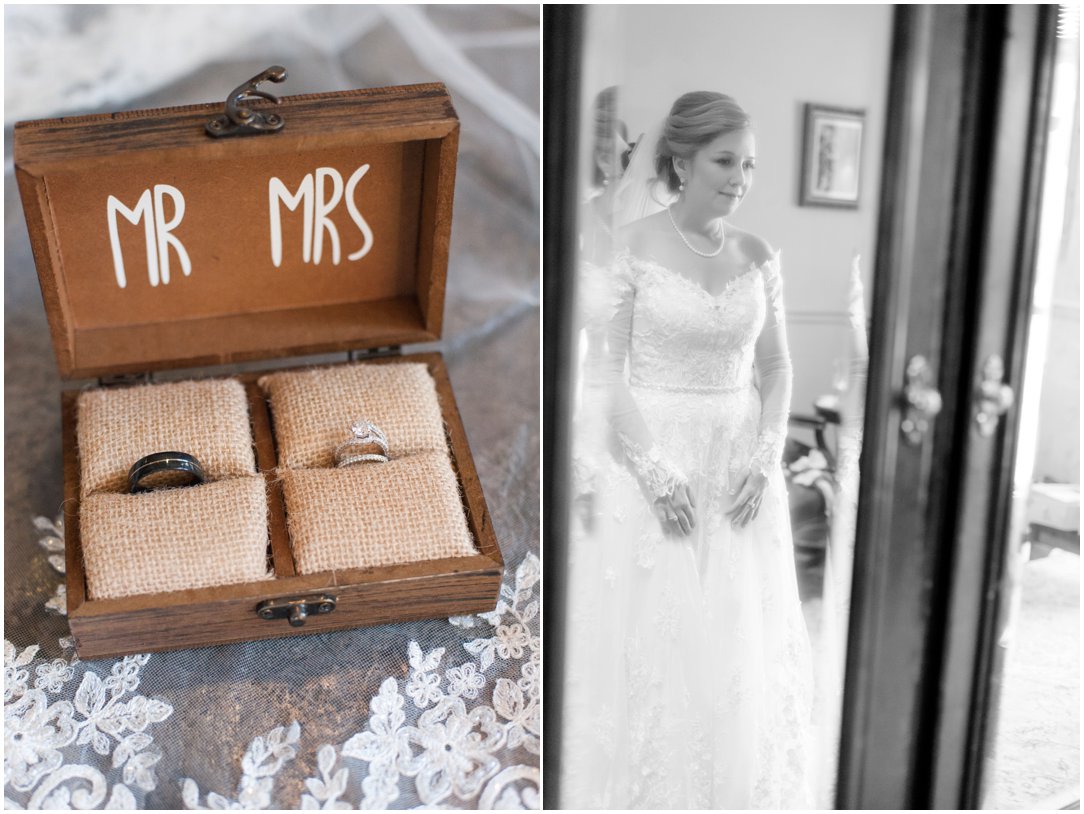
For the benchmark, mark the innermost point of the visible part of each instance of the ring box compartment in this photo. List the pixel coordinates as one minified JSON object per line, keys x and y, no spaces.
{"x":412,"y":499}
{"x":161,"y":248}
{"x":313,"y":410}
{"x":118,"y":426}
{"x":212,"y":535}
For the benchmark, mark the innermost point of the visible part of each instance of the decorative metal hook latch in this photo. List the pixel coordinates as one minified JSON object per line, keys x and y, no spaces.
{"x":993,"y":398}
{"x":239,"y":120}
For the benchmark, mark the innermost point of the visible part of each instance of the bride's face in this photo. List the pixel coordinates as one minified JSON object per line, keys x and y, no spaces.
{"x":721,"y":173}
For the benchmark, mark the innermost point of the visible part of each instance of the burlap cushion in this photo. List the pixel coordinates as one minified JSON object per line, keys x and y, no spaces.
{"x":313,"y":410}
{"x":168,"y":540}
{"x":372,"y":514}
{"x":207,"y":419}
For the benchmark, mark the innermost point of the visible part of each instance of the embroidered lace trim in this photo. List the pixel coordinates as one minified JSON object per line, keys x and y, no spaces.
{"x":768,"y":455}
{"x":658,"y":475}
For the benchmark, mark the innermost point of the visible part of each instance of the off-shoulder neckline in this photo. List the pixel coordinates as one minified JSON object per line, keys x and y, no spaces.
{"x":741,"y":275}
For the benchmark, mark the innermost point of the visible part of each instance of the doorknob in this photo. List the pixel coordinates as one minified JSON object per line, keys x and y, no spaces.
{"x":921,"y":401}
{"x":993,"y":397}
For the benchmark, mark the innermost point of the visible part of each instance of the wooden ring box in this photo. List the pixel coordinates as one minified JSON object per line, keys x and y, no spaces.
{"x":159,"y":247}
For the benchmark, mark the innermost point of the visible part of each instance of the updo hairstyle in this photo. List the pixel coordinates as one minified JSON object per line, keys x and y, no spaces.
{"x":696,"y":119}
{"x":607,"y":125}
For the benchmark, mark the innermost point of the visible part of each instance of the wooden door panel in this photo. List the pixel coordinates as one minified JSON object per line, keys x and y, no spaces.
{"x":955,"y":261}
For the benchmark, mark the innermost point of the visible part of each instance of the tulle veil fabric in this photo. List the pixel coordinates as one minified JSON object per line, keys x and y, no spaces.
{"x":639,"y":192}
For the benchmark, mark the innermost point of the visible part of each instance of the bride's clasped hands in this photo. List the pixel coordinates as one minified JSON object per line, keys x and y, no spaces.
{"x":677,"y":511}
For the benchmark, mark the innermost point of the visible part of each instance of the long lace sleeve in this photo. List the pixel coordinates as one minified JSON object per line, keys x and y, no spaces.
{"x":775,"y":372}
{"x":656,"y":474}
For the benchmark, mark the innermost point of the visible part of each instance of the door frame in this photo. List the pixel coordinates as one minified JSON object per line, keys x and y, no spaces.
{"x":969,"y":96}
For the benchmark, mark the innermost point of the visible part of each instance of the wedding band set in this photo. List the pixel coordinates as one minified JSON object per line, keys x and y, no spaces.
{"x":167,"y":470}
{"x":367,"y":442}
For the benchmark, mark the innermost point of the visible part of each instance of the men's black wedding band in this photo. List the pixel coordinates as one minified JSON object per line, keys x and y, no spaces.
{"x":164,"y":470}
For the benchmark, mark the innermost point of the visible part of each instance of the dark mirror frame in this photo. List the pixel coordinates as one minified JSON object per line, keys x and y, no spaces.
{"x":562,"y":32}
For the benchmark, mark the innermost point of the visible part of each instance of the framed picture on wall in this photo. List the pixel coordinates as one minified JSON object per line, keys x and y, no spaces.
{"x":831,"y":156}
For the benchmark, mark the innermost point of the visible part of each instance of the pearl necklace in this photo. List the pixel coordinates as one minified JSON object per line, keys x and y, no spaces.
{"x":685,"y":240}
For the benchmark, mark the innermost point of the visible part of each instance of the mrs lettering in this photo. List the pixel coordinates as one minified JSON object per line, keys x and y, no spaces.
{"x":317,"y":195}
{"x":156,"y":229}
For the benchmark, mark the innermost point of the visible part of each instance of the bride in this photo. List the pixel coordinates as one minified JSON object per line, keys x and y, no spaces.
{"x":707,"y":679}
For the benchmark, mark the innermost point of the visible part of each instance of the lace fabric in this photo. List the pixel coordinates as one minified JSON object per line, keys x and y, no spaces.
{"x":81,"y":734}
{"x":676,"y":337}
{"x":658,"y":475}
{"x":691,"y":686}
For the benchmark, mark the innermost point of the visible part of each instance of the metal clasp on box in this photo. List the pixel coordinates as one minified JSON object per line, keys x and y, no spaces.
{"x":297,"y":609}
{"x":373,"y":353}
{"x":239,"y":120}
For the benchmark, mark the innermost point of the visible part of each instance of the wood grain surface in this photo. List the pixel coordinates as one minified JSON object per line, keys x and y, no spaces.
{"x":200,"y":275}
{"x":351,"y":118}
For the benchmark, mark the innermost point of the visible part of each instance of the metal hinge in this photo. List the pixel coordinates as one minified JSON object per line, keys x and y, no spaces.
{"x":124,"y":379}
{"x":374,"y":353}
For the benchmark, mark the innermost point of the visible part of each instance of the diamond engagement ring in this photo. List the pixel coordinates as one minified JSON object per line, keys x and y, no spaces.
{"x":367,"y":442}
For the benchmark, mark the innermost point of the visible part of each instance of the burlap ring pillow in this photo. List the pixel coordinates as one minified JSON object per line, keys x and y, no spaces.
{"x":169,"y":539}
{"x":370,"y":514}
{"x":207,"y":419}
{"x":313,"y":410}
{"x":175,"y":539}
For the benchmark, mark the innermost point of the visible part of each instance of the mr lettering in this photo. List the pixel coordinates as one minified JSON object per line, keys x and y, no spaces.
{"x":156,"y":232}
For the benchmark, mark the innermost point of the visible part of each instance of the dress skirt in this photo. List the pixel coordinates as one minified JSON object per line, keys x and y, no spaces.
{"x":689,"y":662}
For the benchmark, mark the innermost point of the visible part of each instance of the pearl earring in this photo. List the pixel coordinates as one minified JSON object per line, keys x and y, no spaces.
{"x":681,"y":186}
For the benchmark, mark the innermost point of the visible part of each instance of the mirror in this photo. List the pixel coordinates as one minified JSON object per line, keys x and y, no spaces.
{"x":726,"y":227}
{"x":1032,"y":747}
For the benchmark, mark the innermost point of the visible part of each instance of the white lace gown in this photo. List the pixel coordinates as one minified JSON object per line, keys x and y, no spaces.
{"x":691,"y":677}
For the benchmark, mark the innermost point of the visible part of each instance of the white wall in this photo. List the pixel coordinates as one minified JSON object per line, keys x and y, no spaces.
{"x":1057,"y":455}
{"x":772,"y":59}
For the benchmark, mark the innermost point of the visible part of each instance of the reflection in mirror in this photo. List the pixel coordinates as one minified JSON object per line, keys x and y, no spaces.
{"x":719,"y":387}
{"x":1033,"y":740}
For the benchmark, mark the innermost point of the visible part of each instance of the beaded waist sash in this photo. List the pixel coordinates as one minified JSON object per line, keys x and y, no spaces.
{"x":687,"y":388}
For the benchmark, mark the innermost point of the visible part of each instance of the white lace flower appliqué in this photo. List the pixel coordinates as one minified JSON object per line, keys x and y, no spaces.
{"x":424,"y":686}
{"x":465,"y":681}
{"x":453,"y":751}
{"x":263,"y":760}
{"x":103,"y":713}
{"x":51,"y":539}
{"x":516,"y":610}
{"x":422,"y":729}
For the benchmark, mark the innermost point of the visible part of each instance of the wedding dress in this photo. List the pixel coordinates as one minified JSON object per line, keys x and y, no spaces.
{"x":690,"y":673}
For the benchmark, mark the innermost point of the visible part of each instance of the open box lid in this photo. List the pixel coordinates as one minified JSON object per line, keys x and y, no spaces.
{"x":158,"y":246}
